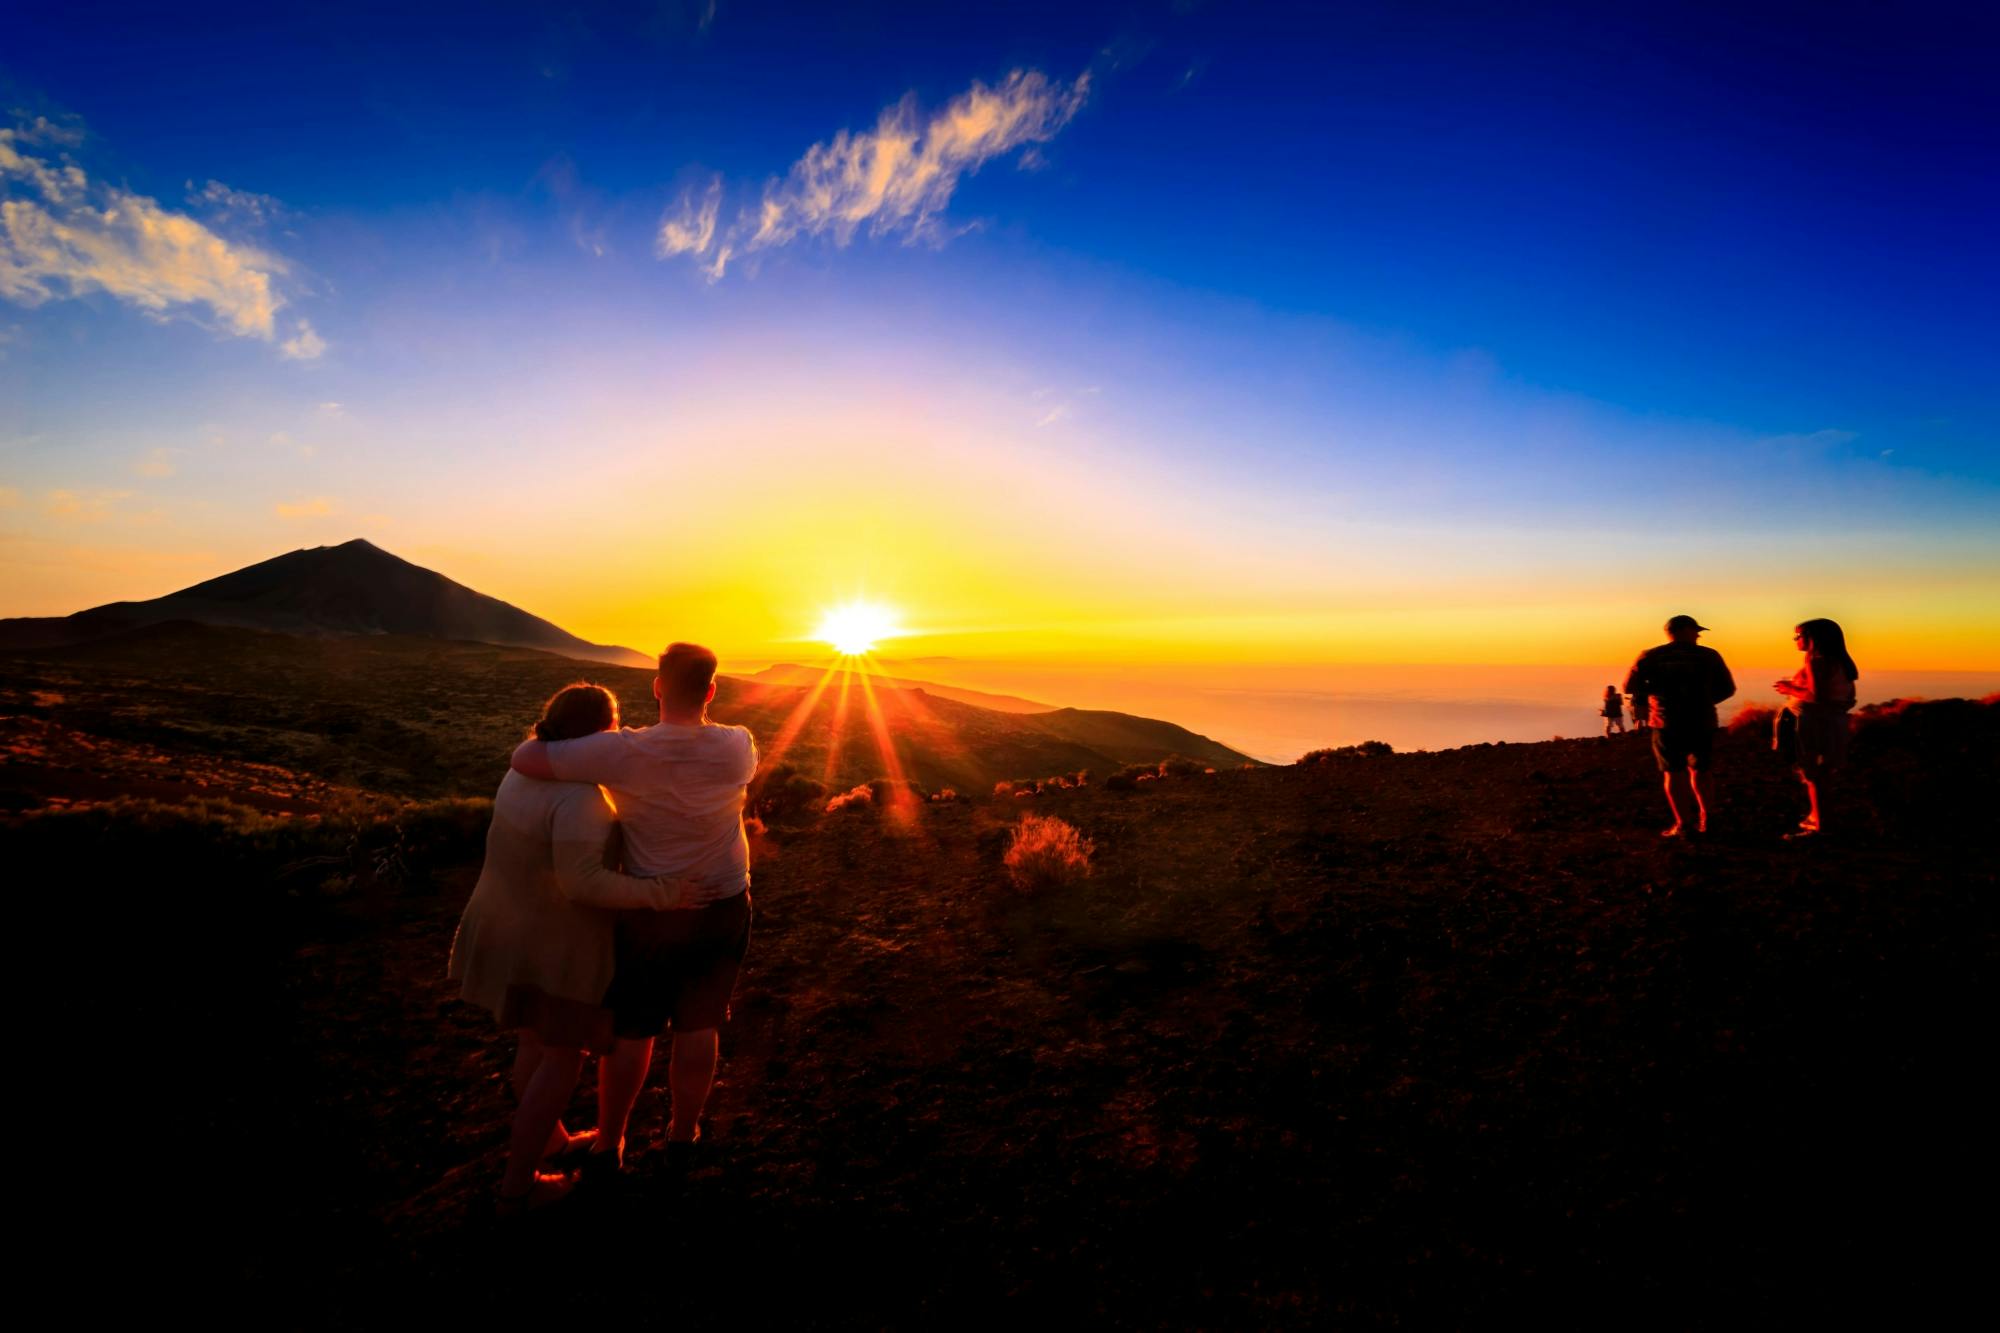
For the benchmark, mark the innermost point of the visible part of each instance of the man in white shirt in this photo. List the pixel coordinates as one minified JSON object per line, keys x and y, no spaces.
{"x":679,"y":789}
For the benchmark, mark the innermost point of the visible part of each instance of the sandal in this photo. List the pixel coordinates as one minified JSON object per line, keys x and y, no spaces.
{"x":547,"y":1189}
{"x":574,"y":1150}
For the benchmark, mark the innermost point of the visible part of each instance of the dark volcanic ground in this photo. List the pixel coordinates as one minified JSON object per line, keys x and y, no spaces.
{"x":1418,"y":1039}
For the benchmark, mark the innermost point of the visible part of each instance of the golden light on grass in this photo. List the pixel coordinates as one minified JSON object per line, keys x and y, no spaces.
{"x":856,"y":627}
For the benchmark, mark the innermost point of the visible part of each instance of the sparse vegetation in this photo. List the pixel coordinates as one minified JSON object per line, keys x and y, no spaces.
{"x":1751,"y":719}
{"x":783,"y":795}
{"x":1046,"y":852}
{"x":1365,"y":750}
{"x":852,"y":799}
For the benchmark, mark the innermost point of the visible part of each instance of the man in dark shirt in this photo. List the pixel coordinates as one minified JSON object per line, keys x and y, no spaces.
{"x":1684,"y":682}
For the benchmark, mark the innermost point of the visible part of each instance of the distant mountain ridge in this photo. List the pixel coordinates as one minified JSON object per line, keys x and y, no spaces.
{"x":354,"y":588}
{"x":790,"y":673}
{"x":423,"y":717}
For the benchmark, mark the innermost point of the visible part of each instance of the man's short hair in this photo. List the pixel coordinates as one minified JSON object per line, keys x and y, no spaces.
{"x":686,"y":672}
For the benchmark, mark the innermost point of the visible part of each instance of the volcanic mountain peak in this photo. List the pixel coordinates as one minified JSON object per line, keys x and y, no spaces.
{"x":353,"y":588}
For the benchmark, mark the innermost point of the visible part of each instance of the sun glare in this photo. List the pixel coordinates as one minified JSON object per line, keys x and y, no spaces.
{"x":855,"y":628}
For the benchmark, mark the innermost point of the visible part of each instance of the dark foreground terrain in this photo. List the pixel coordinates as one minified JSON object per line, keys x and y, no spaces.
{"x":1403,"y":1040}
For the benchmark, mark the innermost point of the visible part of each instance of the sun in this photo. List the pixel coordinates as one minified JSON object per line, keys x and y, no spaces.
{"x":856,"y":627}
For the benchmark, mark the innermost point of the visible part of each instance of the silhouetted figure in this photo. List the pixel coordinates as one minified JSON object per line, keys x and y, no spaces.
{"x":1818,"y":697}
{"x":1682,"y":682}
{"x":1638,"y":711}
{"x":1613,"y":710}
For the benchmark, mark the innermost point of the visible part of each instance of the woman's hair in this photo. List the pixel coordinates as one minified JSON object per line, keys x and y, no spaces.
{"x":1824,"y":638}
{"x":576,"y":710}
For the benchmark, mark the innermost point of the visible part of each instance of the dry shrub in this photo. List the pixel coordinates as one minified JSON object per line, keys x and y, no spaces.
{"x":1752,"y":718}
{"x":785,"y":795}
{"x":1182,"y":767}
{"x":944,"y":796}
{"x":1046,"y":852}
{"x":1003,"y":789}
{"x":848,"y":800}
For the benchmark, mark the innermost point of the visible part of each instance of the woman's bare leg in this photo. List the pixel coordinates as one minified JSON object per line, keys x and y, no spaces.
{"x":527,"y":1058}
{"x":620,"y":1076}
{"x":542,"y":1101}
{"x":1812,"y":804}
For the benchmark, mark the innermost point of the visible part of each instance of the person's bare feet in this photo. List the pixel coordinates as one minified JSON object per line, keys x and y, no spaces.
{"x":1673,"y":832}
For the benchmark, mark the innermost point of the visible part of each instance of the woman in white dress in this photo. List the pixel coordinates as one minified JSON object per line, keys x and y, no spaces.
{"x":535,"y":943}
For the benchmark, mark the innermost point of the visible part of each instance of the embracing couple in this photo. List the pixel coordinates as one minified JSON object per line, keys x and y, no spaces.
{"x":600,"y":924}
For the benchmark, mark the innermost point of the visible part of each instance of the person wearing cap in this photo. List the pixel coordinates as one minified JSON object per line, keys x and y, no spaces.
{"x":1681,"y":682}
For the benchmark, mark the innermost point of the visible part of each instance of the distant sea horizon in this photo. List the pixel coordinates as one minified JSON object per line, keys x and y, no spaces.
{"x":1277,"y":713}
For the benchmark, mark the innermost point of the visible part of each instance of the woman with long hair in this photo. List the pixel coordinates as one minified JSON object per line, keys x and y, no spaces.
{"x":1819,"y":696}
{"x":535,"y":943}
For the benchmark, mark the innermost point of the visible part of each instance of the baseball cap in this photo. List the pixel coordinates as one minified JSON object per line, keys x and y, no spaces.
{"x":1686,"y":622}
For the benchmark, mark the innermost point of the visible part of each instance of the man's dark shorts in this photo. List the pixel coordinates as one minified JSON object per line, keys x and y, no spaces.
{"x":1678,"y":748}
{"x":677,"y":968}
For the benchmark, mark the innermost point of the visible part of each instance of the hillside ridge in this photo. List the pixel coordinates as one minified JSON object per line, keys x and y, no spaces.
{"x":355,"y":587}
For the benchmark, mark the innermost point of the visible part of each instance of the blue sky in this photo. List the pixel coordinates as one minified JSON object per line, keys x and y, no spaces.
{"x":1427,"y":306}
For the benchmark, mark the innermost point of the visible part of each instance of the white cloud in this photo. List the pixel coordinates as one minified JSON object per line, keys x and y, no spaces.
{"x":332,"y":410}
{"x":303,"y":345}
{"x":895,"y":179}
{"x":317,"y":506}
{"x":62,"y":234}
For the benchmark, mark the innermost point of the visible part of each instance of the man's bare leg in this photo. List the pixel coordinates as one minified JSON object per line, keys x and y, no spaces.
{"x":1700,"y":804}
{"x":1667,"y":782}
{"x":620,"y":1076}
{"x":691,"y":1075}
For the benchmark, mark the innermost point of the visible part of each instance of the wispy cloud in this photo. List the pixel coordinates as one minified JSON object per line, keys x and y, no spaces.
{"x":62,"y":234}
{"x":238,"y":205}
{"x":304,"y":345}
{"x":894,"y":180}
{"x":689,"y":227}
{"x":158,"y":462}
{"x":317,"y":506}
{"x":82,"y":506}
